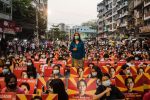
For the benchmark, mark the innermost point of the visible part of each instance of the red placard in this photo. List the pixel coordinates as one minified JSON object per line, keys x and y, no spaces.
{"x":42,"y":83}
{"x":138,"y":83}
{"x":62,"y":62}
{"x":43,"y":96}
{"x":37,"y":66}
{"x":2,"y":83}
{"x":73,"y":89}
{"x":7,"y":96}
{"x":74,"y":74}
{"x":31,"y":82}
{"x":48,"y":71}
{"x":18,"y":71}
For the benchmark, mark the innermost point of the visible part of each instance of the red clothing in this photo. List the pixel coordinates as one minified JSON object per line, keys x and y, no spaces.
{"x":146,"y":96}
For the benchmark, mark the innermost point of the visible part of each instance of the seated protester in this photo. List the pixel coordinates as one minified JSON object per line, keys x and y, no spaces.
{"x":8,"y":63}
{"x":16,"y":65}
{"x":112,"y":72}
{"x":106,"y":58}
{"x":6,"y":71}
{"x":108,"y":65}
{"x":25,"y":86}
{"x":31,"y":70}
{"x":108,"y":91}
{"x":57,"y":86}
{"x":43,"y":58}
{"x":130,"y":61}
{"x":90,"y":65}
{"x":95,"y":72}
{"x":140,"y":71}
{"x":56,"y":72}
{"x":11,"y":85}
{"x":125,"y":70}
{"x":36,"y":58}
{"x":80,"y":72}
{"x":24,"y":74}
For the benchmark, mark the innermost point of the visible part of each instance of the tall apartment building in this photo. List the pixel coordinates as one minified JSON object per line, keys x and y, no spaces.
{"x":112,"y":15}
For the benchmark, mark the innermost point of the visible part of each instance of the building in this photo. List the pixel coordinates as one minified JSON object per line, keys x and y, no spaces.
{"x":101,"y":10}
{"x":145,"y":29}
{"x":7,"y":25}
{"x":85,"y":32}
{"x":112,"y":15}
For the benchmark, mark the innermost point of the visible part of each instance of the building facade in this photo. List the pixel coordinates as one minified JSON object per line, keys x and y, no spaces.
{"x":85,"y":32}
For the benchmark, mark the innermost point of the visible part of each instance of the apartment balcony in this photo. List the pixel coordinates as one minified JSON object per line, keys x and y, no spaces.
{"x":124,"y":4}
{"x":137,"y":3}
{"x":146,"y":3}
{"x":123,"y":24}
{"x":123,"y":15}
{"x":147,"y":16}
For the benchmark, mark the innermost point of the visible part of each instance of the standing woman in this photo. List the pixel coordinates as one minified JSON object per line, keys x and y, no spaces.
{"x":78,"y":51}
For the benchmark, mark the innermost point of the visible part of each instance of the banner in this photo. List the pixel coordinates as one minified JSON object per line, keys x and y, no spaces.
{"x":7,"y":96}
{"x":76,"y":85}
{"x":126,"y":83}
{"x":27,"y":84}
{"x":74,"y":73}
{"x":18,"y":71}
{"x":35,"y":96}
{"x":42,"y":82}
{"x":48,"y":71}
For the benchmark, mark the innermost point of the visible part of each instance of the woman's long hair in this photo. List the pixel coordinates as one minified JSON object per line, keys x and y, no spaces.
{"x":58,"y":87}
{"x":78,"y":39}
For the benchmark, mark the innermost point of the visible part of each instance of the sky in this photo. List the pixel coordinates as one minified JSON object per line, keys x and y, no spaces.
{"x":71,"y":12}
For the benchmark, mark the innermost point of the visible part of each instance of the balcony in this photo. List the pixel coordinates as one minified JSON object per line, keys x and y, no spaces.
{"x":146,"y":3}
{"x":137,"y":3}
{"x":124,"y":4}
{"x":147,"y":16}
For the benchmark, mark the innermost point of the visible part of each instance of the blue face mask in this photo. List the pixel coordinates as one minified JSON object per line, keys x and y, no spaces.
{"x":5,"y":71}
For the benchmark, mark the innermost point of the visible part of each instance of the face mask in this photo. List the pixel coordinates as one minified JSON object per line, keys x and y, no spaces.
{"x":7,"y":63}
{"x":12,"y":86}
{"x":136,"y":58}
{"x":106,"y":83}
{"x":55,"y":71}
{"x":76,"y":37}
{"x":128,"y":71}
{"x":29,"y":64}
{"x":43,"y":56}
{"x":5,"y":71}
{"x":94,"y":74}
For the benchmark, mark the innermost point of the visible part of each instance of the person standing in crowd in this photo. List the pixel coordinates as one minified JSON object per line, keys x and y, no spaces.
{"x":78,"y":51}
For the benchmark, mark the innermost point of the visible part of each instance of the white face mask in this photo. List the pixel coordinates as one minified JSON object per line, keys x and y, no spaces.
{"x":7,"y":63}
{"x":29,"y":64}
{"x":128,"y":71}
{"x":106,"y":83}
{"x":94,"y":74}
{"x":55,"y":71}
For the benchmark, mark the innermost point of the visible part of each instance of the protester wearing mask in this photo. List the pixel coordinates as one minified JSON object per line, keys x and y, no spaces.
{"x":11,"y":85}
{"x":6,"y":71}
{"x":125,"y":70}
{"x":113,"y":94}
{"x":95,"y":73}
{"x":56,"y":72}
{"x":31,"y":70}
{"x":78,"y":51}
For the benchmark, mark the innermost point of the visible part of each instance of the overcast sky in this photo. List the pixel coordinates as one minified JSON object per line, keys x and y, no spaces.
{"x":71,"y":12}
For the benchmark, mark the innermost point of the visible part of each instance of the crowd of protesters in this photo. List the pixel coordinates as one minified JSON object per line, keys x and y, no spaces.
{"x":24,"y":53}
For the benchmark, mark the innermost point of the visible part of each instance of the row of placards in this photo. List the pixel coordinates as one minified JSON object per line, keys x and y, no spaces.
{"x":13,"y":96}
